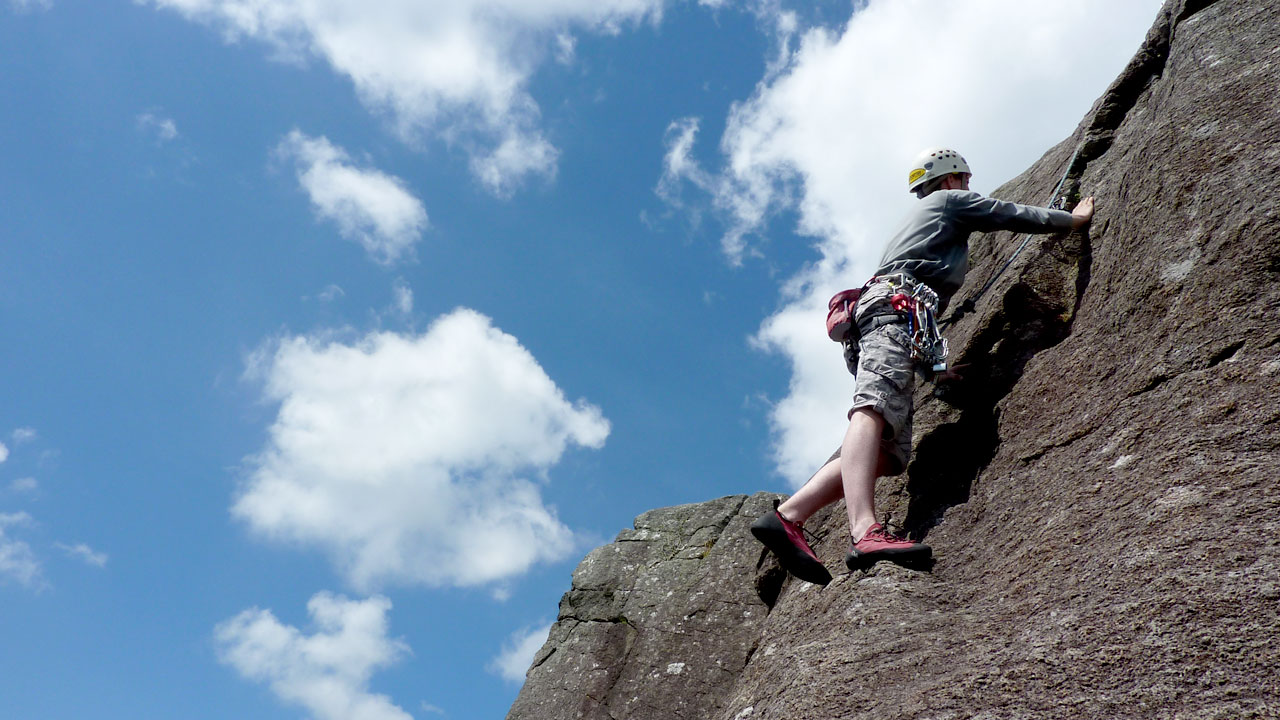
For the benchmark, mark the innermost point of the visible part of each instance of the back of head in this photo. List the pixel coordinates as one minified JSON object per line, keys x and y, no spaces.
{"x":931,"y":166}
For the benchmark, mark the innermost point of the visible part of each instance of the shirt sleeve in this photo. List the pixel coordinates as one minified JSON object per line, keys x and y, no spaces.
{"x":977,"y":213}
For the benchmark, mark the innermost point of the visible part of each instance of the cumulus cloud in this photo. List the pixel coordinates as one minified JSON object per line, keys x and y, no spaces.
{"x":84,"y":553}
{"x":408,"y":457}
{"x":326,"y":672}
{"x":4,"y":452}
{"x":17,"y":561}
{"x":368,"y":206}
{"x":831,"y":128}
{"x":458,"y":70}
{"x":517,"y":653}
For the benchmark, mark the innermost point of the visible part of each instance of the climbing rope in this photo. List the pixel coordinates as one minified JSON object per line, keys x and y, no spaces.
{"x":1054,"y":202}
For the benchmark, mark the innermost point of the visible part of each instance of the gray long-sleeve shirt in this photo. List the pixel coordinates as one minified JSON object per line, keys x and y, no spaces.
{"x":933,"y":244}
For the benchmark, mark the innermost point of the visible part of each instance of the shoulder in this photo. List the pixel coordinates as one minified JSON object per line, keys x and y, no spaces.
{"x":960,"y":197}
{"x":951,"y":202}
{"x":940,"y":198}
{"x":969,"y":204}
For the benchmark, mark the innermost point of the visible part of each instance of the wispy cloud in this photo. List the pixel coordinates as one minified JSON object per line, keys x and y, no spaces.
{"x":17,"y":562}
{"x":329,"y":294}
{"x":84,"y":553}
{"x":158,"y":127}
{"x":326,"y":672}
{"x":406,"y":456}
{"x":24,"y":485}
{"x":23,"y":435}
{"x":402,"y":296}
{"x":518,"y":652}
{"x":678,"y":165}
{"x":368,"y":206}
{"x":680,"y":169}
{"x":29,"y":5}
{"x":457,"y":70}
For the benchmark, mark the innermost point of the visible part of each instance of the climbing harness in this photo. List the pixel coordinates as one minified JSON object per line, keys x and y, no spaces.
{"x":1056,"y":202}
{"x":914,"y":299}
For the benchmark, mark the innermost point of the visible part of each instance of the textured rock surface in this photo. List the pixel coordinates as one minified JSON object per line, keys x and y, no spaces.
{"x":1101,"y":491}
{"x":658,"y":623}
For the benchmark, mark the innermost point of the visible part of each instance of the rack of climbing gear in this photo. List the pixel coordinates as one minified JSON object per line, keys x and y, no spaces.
{"x":920,"y":304}
{"x":1055,"y":201}
{"x":914,"y":299}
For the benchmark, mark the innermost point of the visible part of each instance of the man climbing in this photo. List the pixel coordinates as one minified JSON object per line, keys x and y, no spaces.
{"x":922,"y":267}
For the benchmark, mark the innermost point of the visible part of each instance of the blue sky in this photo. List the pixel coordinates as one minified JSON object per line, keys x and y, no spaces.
{"x":339,"y":331}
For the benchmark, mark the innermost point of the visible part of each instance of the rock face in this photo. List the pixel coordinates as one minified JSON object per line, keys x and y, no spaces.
{"x":1101,"y":492}
{"x":660,"y":622}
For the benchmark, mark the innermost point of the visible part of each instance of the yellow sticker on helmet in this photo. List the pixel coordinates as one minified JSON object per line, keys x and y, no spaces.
{"x":916,"y":175}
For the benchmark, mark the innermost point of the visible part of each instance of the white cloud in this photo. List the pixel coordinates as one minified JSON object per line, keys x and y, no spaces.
{"x":4,"y":453}
{"x":369,"y":207}
{"x":17,"y":561}
{"x":163,"y":129}
{"x":330,"y":293}
{"x":517,"y":653}
{"x":678,"y":165}
{"x":516,"y":156}
{"x":326,"y":672}
{"x":83,"y":552}
{"x":403,"y":296}
{"x":24,"y":485}
{"x":457,"y":70}
{"x":24,"y":435}
{"x":406,"y":457}
{"x":566,"y":48}
{"x":830,"y":130}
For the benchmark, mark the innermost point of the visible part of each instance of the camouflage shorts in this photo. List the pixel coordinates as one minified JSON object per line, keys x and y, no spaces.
{"x":886,"y":376}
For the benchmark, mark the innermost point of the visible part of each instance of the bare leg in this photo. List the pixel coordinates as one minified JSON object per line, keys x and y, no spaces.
{"x":859,"y":465}
{"x":825,"y":487}
{"x":820,"y":491}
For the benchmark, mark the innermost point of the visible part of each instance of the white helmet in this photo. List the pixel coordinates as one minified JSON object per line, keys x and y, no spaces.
{"x":935,"y":163}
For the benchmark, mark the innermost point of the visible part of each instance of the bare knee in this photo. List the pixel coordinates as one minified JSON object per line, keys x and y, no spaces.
{"x":865,"y":418}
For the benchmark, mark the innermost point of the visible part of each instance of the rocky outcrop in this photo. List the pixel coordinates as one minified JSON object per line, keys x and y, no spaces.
{"x":1101,"y":490}
{"x":660,"y":622}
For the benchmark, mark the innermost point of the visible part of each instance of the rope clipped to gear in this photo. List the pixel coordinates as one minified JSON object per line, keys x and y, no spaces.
{"x":1055,"y":202}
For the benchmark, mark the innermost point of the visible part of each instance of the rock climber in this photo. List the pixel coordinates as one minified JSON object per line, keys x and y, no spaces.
{"x":923,"y":265}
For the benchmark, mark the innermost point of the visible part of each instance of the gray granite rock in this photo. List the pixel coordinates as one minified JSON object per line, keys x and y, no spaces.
{"x":1102,"y":492}
{"x":659,"y":622}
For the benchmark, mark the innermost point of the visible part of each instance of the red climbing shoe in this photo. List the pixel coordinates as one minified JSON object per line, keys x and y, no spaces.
{"x":786,"y":540}
{"x":879,"y":543}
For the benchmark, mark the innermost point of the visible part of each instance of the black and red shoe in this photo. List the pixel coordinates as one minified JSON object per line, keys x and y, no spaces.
{"x":880,"y":544}
{"x":786,"y":540}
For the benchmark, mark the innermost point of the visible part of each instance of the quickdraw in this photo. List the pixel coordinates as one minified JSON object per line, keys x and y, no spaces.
{"x":915,"y":299}
{"x":920,"y":303}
